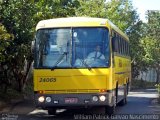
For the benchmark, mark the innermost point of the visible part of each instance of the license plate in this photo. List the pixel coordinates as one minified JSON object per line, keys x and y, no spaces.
{"x":71,"y":100}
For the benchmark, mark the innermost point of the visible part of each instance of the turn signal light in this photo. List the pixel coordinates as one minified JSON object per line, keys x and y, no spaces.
{"x":103,"y":90}
{"x":41,"y":92}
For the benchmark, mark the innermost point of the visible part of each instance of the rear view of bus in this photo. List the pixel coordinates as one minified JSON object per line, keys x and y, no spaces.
{"x":68,"y":72}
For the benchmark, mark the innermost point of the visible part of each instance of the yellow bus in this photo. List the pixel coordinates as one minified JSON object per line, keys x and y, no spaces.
{"x":80,"y":62}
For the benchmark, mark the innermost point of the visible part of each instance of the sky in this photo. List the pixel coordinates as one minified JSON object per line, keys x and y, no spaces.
{"x":144,"y":5}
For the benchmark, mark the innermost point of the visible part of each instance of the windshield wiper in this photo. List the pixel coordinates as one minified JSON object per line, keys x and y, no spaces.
{"x":86,"y":65}
{"x":59,"y":60}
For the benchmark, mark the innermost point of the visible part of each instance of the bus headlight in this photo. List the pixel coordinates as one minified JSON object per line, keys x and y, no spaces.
{"x":41,"y":99}
{"x":95,"y":98}
{"x":102,"y":98}
{"x":48,"y":99}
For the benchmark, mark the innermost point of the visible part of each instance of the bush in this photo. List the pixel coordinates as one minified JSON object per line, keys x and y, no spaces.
{"x":141,"y":84}
{"x":9,"y":95}
{"x":158,"y":89}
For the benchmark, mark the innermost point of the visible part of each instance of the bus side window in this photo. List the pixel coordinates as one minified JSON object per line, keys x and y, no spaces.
{"x":126,"y":48}
{"x":120,"y":45}
{"x":114,"y":44}
{"x":123,"y":50}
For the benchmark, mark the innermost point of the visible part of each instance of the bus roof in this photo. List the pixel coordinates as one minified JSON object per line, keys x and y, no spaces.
{"x":79,"y":22}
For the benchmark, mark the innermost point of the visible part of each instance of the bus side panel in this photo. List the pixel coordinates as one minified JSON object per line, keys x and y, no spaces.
{"x":122,"y":74}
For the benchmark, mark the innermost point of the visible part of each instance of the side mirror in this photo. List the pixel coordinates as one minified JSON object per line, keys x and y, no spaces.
{"x":32,"y":46}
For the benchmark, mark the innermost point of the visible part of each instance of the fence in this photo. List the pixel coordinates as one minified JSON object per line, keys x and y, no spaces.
{"x":150,"y":75}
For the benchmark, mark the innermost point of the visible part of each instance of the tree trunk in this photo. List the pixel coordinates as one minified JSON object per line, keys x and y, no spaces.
{"x":28,"y":74}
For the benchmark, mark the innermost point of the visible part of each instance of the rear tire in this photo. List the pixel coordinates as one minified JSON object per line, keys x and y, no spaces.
{"x":124,"y":100}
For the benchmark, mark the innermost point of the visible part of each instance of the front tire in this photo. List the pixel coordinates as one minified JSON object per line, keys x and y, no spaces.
{"x":51,"y":111}
{"x":110,"y":110}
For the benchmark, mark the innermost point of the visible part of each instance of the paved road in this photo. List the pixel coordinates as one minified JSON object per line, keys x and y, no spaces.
{"x":139,"y":102}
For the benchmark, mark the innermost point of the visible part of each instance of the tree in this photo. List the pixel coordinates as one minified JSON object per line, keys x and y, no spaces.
{"x":120,"y":12}
{"x":17,"y":17}
{"x":20,"y":18}
{"x":91,"y":8}
{"x":5,"y":42}
{"x":136,"y":33}
{"x":151,"y":42}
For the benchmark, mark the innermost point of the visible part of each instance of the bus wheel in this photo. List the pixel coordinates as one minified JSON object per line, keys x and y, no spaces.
{"x":124,"y":100}
{"x":110,"y":110}
{"x":51,"y":111}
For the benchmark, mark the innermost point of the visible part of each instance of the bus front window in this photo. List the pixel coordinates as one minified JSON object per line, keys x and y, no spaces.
{"x":72,"y":48}
{"x":51,"y":45}
{"x":91,"y":47}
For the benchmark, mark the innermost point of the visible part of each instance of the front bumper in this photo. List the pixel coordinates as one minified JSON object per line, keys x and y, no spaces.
{"x":82,"y":100}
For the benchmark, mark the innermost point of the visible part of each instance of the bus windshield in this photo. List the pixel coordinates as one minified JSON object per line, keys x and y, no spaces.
{"x":72,"y":48}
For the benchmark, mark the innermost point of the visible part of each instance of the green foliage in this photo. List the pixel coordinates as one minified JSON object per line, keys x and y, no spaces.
{"x":20,"y":18}
{"x":151,"y":42}
{"x":151,"y":49}
{"x":158,"y":88}
{"x":120,"y":12}
{"x":141,"y":84}
{"x":91,"y":8}
{"x":154,"y":24}
{"x":16,"y":15}
{"x":136,"y":33}
{"x":5,"y":39}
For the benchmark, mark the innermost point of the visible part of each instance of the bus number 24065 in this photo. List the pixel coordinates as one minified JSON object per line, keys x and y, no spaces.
{"x":47,"y":80}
